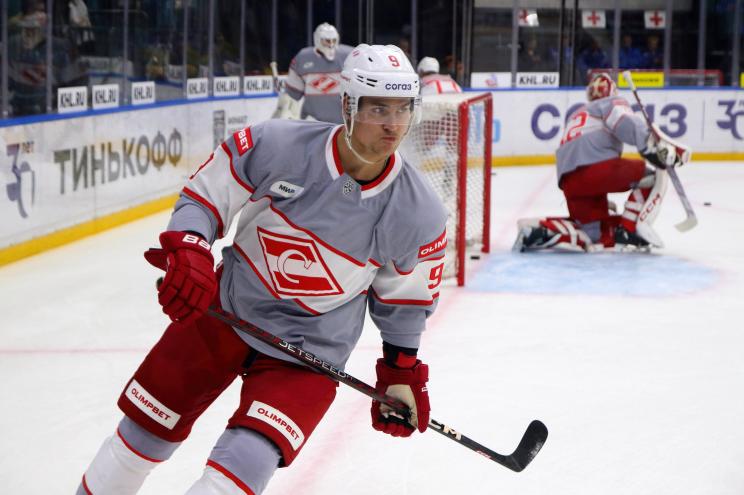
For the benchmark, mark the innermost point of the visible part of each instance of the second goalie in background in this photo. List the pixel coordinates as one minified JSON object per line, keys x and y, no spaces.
{"x":315,"y":75}
{"x":590,"y":167}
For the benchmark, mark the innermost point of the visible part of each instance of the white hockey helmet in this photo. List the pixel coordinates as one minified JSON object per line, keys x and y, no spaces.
{"x":325,"y":39}
{"x":428,"y":65}
{"x":378,"y":71}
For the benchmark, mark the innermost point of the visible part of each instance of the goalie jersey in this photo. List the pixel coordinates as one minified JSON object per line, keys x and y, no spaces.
{"x":314,"y":248}
{"x":595,"y":132}
{"x":319,"y":80}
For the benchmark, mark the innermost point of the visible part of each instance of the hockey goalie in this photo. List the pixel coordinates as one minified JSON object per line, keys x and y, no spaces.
{"x":590,"y":167}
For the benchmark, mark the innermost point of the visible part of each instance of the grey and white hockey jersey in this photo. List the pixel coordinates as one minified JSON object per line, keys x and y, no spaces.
{"x":595,"y":132}
{"x":319,"y":80}
{"x":313,"y":247}
{"x":437,"y":84}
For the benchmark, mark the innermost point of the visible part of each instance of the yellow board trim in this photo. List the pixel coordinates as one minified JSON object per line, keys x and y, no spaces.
{"x":514,"y":161}
{"x":511,"y":161}
{"x":76,"y":232}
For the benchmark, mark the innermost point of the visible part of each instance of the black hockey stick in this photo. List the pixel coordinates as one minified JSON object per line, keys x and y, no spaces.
{"x":532,"y":440}
{"x":691,"y":220}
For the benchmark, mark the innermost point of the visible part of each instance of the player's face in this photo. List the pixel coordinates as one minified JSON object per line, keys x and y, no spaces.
{"x":328,"y":43}
{"x":381,"y":123}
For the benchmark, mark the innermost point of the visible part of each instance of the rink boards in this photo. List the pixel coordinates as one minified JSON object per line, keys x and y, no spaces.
{"x":63,"y":177}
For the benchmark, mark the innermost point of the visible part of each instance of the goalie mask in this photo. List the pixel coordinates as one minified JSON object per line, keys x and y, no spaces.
{"x":325,"y":39}
{"x":601,"y":86}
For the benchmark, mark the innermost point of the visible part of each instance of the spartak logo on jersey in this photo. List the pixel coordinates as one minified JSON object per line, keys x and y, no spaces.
{"x":296,"y":266}
{"x":324,"y":84}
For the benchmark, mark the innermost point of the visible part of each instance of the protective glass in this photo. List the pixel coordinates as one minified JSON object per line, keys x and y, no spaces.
{"x":399,"y":111}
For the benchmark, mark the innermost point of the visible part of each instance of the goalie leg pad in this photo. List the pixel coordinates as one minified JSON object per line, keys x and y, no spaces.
{"x":643,"y":206}
{"x":551,"y":233}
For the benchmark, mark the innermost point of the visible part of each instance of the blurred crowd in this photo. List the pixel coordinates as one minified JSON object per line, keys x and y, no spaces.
{"x":534,"y":57}
{"x":28,"y":42}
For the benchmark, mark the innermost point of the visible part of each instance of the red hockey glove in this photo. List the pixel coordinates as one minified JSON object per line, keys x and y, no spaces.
{"x":190,"y":283}
{"x":407,"y":385}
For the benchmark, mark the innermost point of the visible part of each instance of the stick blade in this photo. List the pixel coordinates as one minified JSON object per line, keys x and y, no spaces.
{"x":687,"y":224}
{"x":629,"y":79}
{"x":532,"y":441}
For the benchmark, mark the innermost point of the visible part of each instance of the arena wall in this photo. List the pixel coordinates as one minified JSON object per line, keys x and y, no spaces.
{"x":64,"y":177}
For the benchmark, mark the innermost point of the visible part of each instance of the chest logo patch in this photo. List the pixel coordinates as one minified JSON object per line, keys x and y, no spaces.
{"x":324,"y":84}
{"x":296,"y":266}
{"x":285,"y":189}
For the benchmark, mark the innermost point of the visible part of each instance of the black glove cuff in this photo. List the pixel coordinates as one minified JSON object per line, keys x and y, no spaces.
{"x":399,"y":357}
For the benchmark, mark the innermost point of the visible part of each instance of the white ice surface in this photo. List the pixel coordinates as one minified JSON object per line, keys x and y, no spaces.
{"x":639,"y":379}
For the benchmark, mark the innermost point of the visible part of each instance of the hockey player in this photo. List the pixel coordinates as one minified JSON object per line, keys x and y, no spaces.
{"x":590,"y":166}
{"x":315,"y":74}
{"x":432,"y":82}
{"x":332,"y":223}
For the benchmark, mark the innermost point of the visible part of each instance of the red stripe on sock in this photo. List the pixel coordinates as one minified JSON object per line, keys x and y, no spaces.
{"x":140,"y":454}
{"x":85,"y":487}
{"x":231,"y":476}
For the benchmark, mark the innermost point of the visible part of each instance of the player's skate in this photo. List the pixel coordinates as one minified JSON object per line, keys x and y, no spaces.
{"x":630,"y":241}
{"x":641,"y":209}
{"x":560,"y":234}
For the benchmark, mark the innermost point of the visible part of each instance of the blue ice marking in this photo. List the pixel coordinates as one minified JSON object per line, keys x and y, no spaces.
{"x":626,"y":274}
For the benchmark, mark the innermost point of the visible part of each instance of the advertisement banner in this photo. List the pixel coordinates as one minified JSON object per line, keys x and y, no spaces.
{"x":143,"y":93}
{"x":197,"y":87}
{"x":490,"y":80}
{"x":258,"y":84}
{"x":105,"y":96}
{"x":72,"y":99}
{"x":710,"y":121}
{"x":61,"y":173}
{"x":227,"y":86}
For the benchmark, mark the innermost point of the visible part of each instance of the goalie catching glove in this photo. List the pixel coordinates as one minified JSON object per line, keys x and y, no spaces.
{"x":662,"y":152}
{"x":190,"y":282}
{"x":402,"y":376}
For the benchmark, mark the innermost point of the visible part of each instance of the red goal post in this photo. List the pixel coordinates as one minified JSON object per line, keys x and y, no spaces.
{"x":452,"y":148}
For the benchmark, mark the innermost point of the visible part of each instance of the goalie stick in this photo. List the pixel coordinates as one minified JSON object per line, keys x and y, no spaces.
{"x":691,"y":220}
{"x":532,"y":440}
{"x":287,"y":107}
{"x":275,"y":76}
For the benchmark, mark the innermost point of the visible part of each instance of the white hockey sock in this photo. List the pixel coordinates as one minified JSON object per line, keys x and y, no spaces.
{"x":216,"y":480}
{"x":116,"y":469}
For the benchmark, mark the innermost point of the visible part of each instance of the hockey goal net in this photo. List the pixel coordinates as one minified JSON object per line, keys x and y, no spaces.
{"x":452,"y":148}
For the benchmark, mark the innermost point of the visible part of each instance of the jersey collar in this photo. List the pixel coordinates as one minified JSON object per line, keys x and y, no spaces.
{"x":333,"y":162}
